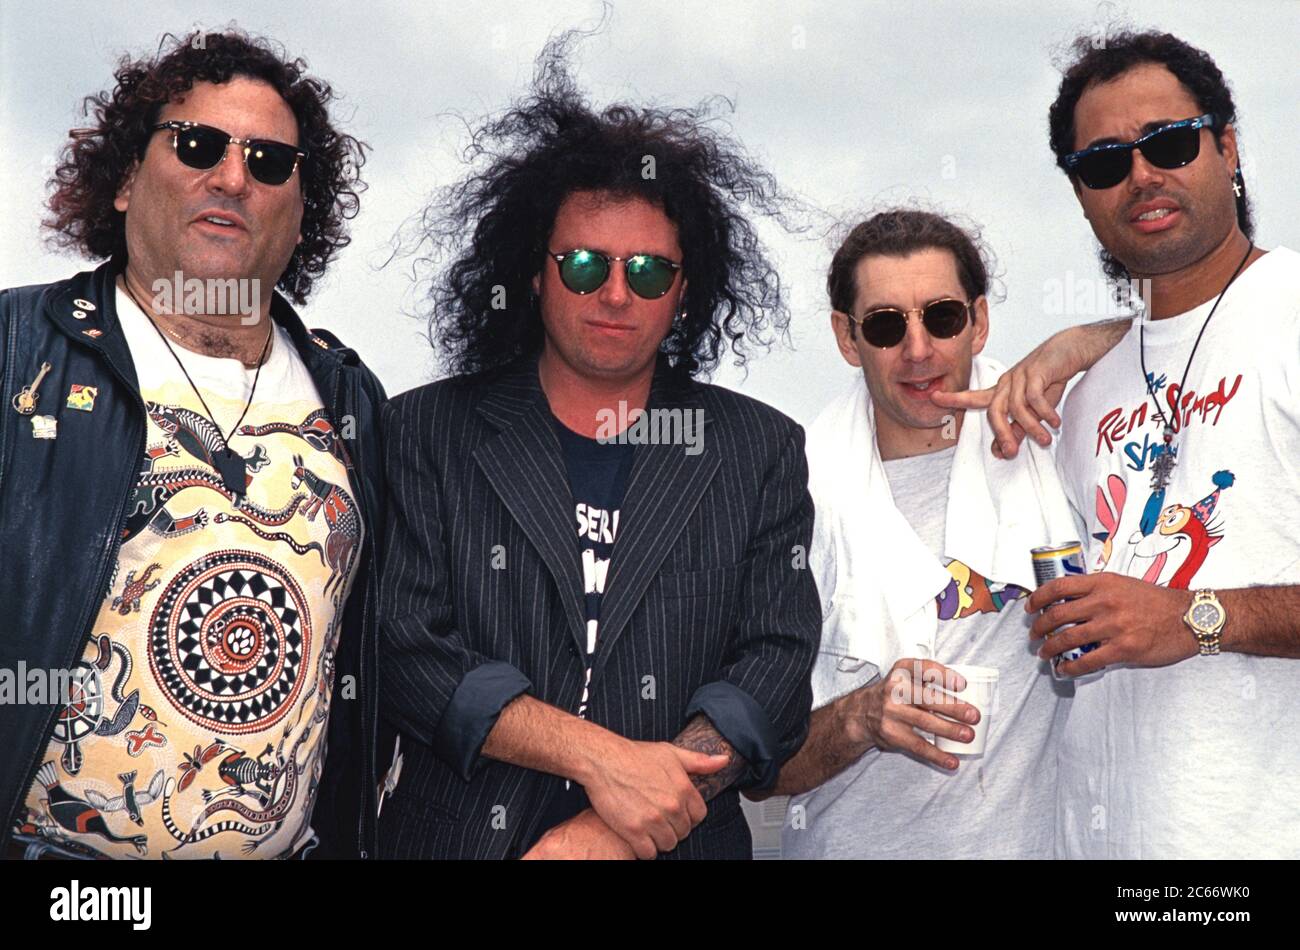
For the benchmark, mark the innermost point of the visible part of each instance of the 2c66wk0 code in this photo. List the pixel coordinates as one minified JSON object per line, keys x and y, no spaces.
{"x":1188,"y":890}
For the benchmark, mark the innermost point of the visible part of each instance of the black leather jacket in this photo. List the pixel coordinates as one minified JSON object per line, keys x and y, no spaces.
{"x":62,"y":505}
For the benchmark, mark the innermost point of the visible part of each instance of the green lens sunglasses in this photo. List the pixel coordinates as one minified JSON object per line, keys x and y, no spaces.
{"x":585,"y":271}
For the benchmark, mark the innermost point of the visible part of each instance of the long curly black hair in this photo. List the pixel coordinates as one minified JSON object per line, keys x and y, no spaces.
{"x":479,"y":242}
{"x":97,"y":160}
{"x":1094,"y":64}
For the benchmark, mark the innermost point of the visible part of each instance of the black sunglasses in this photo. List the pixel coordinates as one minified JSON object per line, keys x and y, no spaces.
{"x":1170,"y":146}
{"x":203,"y":147}
{"x":584,"y":271}
{"x":886,"y":326}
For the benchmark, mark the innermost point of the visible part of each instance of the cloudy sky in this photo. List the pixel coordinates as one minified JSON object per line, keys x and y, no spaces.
{"x":852,"y":105}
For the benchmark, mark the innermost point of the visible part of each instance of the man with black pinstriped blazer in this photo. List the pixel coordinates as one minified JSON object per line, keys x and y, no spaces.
{"x":606,"y":698}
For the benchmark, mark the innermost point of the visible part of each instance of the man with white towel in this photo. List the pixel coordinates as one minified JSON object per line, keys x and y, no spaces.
{"x":921,"y":552}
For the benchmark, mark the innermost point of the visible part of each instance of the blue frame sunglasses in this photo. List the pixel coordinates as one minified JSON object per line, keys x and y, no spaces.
{"x":1170,"y":146}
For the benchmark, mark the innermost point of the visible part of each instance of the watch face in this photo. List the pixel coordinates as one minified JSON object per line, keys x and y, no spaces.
{"x":1206,"y":615}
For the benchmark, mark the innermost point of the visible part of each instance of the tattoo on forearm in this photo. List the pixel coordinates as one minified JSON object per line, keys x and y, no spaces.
{"x":700,"y":736}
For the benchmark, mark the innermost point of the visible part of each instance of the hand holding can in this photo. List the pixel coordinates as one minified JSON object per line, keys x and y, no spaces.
{"x":1051,"y":562}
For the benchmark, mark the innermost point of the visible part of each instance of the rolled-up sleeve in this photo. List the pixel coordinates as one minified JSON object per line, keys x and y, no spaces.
{"x":761,"y":701}
{"x":473,"y":710}
{"x":742,"y":722}
{"x":433,"y":685}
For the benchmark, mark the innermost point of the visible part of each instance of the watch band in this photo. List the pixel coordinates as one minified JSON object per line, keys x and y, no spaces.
{"x":1208,"y":639}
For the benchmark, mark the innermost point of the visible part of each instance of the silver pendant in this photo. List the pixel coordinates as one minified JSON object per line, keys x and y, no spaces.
{"x":1162,"y":467}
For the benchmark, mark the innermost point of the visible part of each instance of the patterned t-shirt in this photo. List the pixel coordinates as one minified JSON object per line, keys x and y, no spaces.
{"x":202,"y":731}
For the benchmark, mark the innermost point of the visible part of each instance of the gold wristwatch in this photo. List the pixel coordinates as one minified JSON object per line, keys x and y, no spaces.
{"x":1206,"y":617}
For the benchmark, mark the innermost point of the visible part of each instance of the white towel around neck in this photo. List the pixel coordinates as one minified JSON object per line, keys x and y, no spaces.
{"x":877,"y":580}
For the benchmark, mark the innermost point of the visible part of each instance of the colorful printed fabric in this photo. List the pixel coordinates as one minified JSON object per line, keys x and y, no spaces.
{"x":201,"y":732}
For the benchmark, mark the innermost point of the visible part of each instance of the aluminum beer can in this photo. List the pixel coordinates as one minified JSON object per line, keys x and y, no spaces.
{"x":1051,"y":562}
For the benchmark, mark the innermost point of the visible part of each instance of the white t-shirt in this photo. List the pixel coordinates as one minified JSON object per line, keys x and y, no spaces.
{"x":998,"y":805}
{"x":1199,"y":759}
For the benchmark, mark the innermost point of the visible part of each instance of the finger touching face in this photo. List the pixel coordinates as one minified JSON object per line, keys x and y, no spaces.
{"x":902,"y":379}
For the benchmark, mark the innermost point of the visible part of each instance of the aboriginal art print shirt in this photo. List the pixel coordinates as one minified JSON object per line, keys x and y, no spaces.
{"x":199,"y":729}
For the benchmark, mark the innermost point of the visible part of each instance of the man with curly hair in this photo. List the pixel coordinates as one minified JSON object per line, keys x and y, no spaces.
{"x":1178,"y":450}
{"x":191,"y":485}
{"x":597,"y":621}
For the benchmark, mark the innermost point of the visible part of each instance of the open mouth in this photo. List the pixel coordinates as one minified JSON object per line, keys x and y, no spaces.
{"x":921,"y":388}
{"x":1155,"y":219}
{"x":216,"y":222}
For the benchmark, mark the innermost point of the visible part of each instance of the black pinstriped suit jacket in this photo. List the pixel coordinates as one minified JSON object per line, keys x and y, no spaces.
{"x":708,"y":606}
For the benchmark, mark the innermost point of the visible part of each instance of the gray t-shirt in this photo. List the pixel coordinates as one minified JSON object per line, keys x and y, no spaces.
{"x":998,"y":805}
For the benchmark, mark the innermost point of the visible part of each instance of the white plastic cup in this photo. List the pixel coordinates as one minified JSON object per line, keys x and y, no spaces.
{"x":981,"y":684}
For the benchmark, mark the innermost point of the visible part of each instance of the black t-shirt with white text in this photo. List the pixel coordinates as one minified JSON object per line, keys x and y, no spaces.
{"x":598,"y":474}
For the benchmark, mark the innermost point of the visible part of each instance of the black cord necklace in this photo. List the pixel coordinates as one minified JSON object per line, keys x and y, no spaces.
{"x":1162,"y":466}
{"x":230,"y":466}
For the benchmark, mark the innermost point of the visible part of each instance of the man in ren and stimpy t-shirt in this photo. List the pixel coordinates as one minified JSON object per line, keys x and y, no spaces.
{"x":1180,"y":452}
